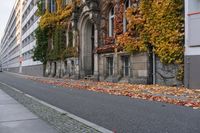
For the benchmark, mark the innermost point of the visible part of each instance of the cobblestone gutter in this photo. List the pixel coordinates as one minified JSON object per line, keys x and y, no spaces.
{"x":61,"y":121}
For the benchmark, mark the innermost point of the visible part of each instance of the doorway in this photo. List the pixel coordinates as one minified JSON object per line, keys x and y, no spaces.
{"x":87,"y":51}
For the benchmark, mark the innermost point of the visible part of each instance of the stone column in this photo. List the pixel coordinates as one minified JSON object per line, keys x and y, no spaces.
{"x":116,"y":67}
{"x":96,"y":56}
{"x":76,"y":67}
{"x":68,"y":68}
{"x":131,"y":66}
{"x":62,"y":68}
{"x":101,"y":67}
{"x":52,"y":69}
{"x":48,"y":69}
{"x":57,"y":69}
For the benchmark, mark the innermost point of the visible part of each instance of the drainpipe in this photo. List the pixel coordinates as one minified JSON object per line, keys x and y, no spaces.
{"x":150,"y":66}
{"x":187,"y":73}
{"x":154,"y":68}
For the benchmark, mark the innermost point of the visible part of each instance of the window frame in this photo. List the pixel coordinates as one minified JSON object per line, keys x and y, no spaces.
{"x":52,"y":6}
{"x":124,"y":14}
{"x":111,"y":22}
{"x":110,"y":65}
{"x":125,"y":65}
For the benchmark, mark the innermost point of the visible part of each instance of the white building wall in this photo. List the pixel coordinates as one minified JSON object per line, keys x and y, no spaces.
{"x":16,"y":44}
{"x":29,"y":12}
{"x":192,"y":27}
{"x":192,"y":44}
{"x":11,"y":38}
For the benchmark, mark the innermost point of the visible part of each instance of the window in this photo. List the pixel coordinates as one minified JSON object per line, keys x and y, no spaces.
{"x":111,"y":22}
{"x":53,"y":6}
{"x":72,"y":67}
{"x":126,"y":5}
{"x":125,"y":66}
{"x":109,"y":66}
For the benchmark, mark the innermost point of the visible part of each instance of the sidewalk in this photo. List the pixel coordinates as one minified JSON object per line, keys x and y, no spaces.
{"x":15,"y":118}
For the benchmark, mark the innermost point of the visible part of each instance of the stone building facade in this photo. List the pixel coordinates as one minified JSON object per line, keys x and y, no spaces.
{"x":99,"y":58}
{"x":91,"y":32}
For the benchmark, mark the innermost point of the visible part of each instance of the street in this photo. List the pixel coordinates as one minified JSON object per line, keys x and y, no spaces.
{"x":116,"y":113}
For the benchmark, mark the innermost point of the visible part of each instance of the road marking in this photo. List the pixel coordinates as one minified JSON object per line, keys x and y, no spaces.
{"x":62,"y":112}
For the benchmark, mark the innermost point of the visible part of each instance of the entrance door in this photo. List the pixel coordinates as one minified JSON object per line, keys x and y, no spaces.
{"x":88,"y":48}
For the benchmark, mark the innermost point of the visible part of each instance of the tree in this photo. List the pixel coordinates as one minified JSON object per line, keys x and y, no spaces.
{"x":41,"y":48}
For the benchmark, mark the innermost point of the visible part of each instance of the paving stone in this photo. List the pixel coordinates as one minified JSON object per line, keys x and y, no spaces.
{"x":26,"y":126}
{"x":15,"y":118}
{"x":63,"y":123}
{"x":13,"y":112}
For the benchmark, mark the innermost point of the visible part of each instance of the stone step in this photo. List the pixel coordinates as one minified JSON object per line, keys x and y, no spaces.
{"x":89,"y":77}
{"x":123,"y":80}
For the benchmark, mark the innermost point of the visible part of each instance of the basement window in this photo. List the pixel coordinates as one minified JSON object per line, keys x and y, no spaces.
{"x":109,"y":66}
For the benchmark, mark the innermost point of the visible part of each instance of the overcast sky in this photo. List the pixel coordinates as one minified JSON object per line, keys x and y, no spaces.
{"x":5,"y":10}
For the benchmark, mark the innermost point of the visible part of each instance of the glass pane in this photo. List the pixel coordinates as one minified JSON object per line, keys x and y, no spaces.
{"x":112,"y":28}
{"x":112,"y":12}
{"x":125,"y":66}
{"x":126,"y":4}
{"x":110,"y":65}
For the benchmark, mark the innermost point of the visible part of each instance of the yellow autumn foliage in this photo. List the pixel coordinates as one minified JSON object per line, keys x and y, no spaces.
{"x":62,"y":13}
{"x":158,"y":23}
{"x":130,"y":44}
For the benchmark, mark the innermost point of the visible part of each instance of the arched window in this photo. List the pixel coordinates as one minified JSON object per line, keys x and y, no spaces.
{"x":111,"y":22}
{"x":127,"y":4}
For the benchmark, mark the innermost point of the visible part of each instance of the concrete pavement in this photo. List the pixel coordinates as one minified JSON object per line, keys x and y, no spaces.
{"x":15,"y":118}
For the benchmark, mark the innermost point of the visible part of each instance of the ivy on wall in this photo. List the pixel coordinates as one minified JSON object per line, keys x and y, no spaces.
{"x":164,"y":28}
{"x":159,"y":24}
{"x":70,"y":38}
{"x":53,"y":19}
{"x":53,"y":26}
{"x":70,"y":52}
{"x":151,"y":23}
{"x":41,"y":49}
{"x":60,"y":16}
{"x":59,"y":44}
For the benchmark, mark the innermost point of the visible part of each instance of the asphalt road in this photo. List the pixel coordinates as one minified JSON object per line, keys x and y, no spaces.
{"x":116,"y":113}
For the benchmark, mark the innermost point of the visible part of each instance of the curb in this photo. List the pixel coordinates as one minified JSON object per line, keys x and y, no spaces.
{"x":62,"y":112}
